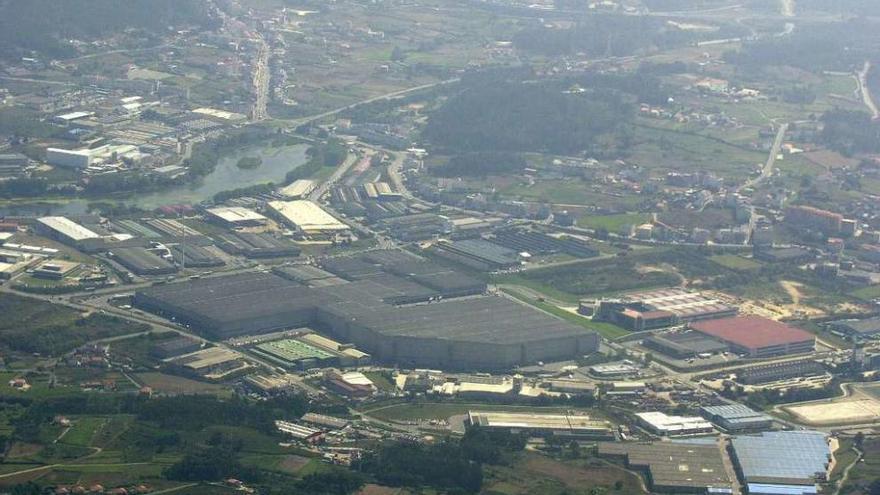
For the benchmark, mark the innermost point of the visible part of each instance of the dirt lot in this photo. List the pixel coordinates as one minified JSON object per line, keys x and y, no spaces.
{"x":170,"y":384}
{"x":859,"y":407}
{"x":292,"y":463}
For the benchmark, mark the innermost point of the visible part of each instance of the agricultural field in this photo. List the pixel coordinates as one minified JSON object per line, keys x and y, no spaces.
{"x":662,"y":150}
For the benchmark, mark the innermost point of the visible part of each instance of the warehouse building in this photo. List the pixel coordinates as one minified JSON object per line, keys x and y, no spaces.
{"x":298,"y":189}
{"x":661,"y":308}
{"x":309,"y":275}
{"x":63,"y":229}
{"x":736,"y":417}
{"x":56,"y":269}
{"x":866,"y":329}
{"x":235,"y":216}
{"x":300,"y":432}
{"x":416,"y":227}
{"x":12,"y":164}
{"x":540,"y":243}
{"x":782,"y":462}
{"x":779,"y":371}
{"x":478,"y":254}
{"x":175,"y":346}
{"x":193,"y":256}
{"x":480,"y":332}
{"x":307,"y":217}
{"x":251,"y":245}
{"x":142,"y":261}
{"x":665,"y":425}
{"x":353,"y":384}
{"x":292,"y":353}
{"x":214,"y":363}
{"x":684,"y":345}
{"x":757,"y":337}
{"x":674,"y":467}
{"x":543,"y":425}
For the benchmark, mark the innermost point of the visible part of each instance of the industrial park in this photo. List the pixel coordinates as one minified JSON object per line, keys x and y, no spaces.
{"x":439,"y":247}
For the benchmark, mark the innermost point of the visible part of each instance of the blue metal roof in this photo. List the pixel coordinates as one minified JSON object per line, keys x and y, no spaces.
{"x":770,"y":489}
{"x":795,"y":455}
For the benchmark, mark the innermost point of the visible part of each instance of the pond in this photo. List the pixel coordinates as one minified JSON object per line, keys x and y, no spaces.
{"x":276,"y":163}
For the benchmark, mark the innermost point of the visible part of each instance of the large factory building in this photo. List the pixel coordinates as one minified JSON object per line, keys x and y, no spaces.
{"x":482,"y":332}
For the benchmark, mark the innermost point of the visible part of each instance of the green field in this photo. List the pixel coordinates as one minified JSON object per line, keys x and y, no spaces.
{"x":612,"y":223}
{"x":668,"y":150}
{"x":867,"y":293}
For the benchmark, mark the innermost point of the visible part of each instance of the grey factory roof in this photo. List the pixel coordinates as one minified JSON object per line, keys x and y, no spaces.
{"x":252,"y":296}
{"x":217,"y":287}
{"x":736,"y":414}
{"x":479,"y":319}
{"x":385,"y":287}
{"x":486,"y":250}
{"x":782,"y":456}
{"x":681,"y":465}
{"x":302,"y":273}
{"x":865,"y":327}
{"x":141,"y":261}
{"x":351,"y":268}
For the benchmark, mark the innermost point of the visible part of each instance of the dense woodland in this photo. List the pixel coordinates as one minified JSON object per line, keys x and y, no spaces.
{"x":850,"y":132}
{"x":840,"y":46}
{"x":480,"y":164}
{"x":45,"y":26}
{"x":522,"y":116}
{"x":602,"y":36}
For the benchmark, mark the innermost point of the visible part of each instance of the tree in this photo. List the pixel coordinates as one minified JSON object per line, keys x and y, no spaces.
{"x":859,"y":440}
{"x":397,"y":54}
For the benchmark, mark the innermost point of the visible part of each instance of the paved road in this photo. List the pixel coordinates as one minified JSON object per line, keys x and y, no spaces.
{"x":261,"y":81}
{"x":865,"y":90}
{"x":767,"y":170}
{"x":387,"y":96}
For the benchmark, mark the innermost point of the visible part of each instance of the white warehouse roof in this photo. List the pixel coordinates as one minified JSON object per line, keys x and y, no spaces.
{"x":672,"y":425}
{"x":297,"y":189}
{"x":68,"y":228}
{"x":307,"y":216}
{"x":236,"y":214}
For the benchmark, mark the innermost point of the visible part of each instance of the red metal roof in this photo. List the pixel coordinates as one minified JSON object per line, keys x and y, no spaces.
{"x":752,"y":332}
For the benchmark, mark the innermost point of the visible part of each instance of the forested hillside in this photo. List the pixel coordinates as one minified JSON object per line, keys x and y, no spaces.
{"x":47,"y":26}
